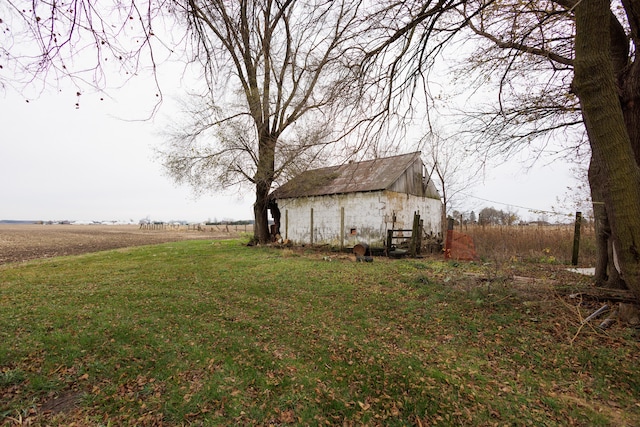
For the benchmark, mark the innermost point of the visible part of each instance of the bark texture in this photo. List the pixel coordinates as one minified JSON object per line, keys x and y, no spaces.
{"x":610,"y":142}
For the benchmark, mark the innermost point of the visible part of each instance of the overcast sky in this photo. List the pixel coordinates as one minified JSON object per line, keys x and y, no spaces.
{"x":59,"y":162}
{"x":62,"y":163}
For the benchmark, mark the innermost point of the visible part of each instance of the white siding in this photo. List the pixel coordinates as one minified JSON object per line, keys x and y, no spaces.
{"x":367,"y":217}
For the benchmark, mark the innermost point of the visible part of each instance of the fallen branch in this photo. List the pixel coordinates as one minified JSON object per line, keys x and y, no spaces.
{"x":596,"y":313}
{"x":599,"y":294}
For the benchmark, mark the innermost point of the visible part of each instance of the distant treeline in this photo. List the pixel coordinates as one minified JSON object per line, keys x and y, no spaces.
{"x":493,"y":216}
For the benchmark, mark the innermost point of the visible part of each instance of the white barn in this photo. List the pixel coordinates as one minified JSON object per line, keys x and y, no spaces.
{"x":356,"y":202}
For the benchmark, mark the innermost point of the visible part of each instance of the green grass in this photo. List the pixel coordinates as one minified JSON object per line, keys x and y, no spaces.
{"x":217,"y":333}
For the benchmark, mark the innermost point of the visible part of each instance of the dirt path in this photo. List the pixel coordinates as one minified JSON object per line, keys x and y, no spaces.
{"x":32,"y":241}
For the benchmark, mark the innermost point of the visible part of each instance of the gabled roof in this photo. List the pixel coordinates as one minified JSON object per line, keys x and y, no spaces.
{"x":370,"y":175}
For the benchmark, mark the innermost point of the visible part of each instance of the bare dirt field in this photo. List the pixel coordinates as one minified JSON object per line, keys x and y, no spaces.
{"x":32,"y":241}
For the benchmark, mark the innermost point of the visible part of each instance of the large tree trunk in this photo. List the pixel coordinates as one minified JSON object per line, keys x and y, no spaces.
{"x":261,"y":232}
{"x":627,"y":76}
{"x":606,"y":274}
{"x":603,"y":231}
{"x":610,"y":143}
{"x":263,"y":179}
{"x":628,"y":72}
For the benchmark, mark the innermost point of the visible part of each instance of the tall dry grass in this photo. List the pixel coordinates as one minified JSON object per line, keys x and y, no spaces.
{"x":532,"y":243}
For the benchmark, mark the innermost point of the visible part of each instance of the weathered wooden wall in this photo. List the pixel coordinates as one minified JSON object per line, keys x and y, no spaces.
{"x":412,"y":181}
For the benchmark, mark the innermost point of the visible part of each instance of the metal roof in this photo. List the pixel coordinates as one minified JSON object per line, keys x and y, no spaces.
{"x":369,"y":175}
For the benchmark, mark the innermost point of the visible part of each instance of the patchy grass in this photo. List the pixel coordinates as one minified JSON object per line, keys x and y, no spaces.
{"x":216,"y":333}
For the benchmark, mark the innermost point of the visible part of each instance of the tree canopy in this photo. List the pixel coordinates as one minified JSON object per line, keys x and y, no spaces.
{"x":279,"y":73}
{"x":548,"y":63}
{"x":277,"y":76}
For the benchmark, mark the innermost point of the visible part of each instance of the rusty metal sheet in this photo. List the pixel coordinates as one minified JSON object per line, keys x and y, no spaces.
{"x":370,"y":175}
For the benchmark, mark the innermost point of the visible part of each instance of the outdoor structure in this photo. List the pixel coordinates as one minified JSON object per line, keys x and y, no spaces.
{"x":356,"y":202}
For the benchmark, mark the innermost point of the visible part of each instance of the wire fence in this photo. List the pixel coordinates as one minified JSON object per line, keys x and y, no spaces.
{"x":551,"y":244}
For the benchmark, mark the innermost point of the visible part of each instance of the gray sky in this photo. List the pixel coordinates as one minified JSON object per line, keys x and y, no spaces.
{"x":93,"y":163}
{"x":62,"y":163}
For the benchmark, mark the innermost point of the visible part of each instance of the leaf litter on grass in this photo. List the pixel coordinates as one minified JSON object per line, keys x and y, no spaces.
{"x":246,"y":336}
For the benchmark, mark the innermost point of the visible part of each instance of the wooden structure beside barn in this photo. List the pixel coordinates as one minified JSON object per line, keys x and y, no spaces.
{"x":356,"y":202}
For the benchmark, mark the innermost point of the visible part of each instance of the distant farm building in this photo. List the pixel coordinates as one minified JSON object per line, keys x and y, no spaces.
{"x":356,"y":202}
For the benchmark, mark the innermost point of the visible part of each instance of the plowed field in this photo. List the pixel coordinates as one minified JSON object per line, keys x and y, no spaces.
{"x":32,"y":241}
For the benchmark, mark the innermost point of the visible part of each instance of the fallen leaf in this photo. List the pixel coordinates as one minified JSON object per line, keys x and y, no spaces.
{"x":364,"y":406}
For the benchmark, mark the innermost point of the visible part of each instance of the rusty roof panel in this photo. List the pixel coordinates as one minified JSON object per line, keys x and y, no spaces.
{"x":370,"y":175}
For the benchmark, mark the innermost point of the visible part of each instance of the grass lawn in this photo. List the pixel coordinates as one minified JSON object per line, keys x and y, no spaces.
{"x":217,"y":333}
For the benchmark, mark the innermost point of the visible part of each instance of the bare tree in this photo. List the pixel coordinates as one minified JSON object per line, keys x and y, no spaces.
{"x":528,"y":50}
{"x":542,"y":36}
{"x":611,"y":142}
{"x":544,"y":43}
{"x":525,"y":51}
{"x":276,"y":73}
{"x":577,"y":197}
{"x":289,"y":62}
{"x":92,"y":45}
{"x":452,"y":168}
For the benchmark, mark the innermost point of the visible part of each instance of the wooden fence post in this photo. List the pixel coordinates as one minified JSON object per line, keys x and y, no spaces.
{"x":286,"y":224}
{"x":311,"y":230}
{"x":576,"y":239}
{"x":413,"y":246}
{"x":341,"y":229}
